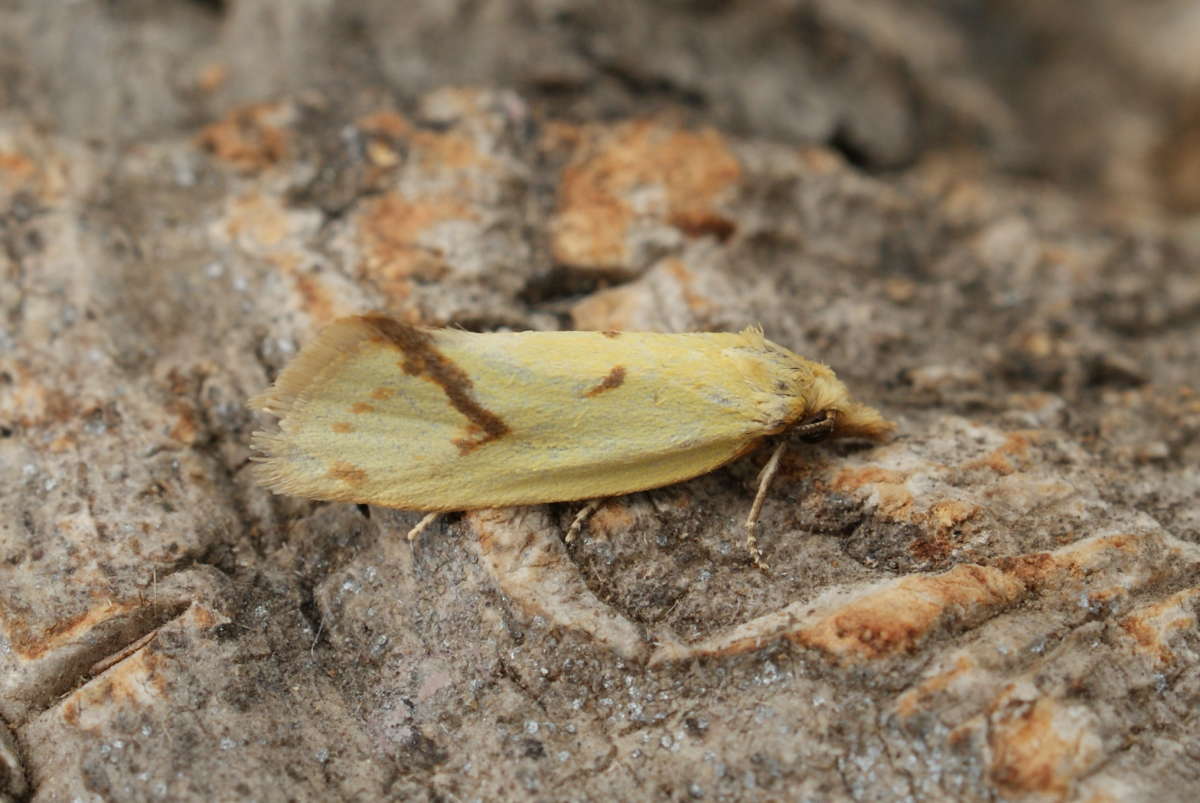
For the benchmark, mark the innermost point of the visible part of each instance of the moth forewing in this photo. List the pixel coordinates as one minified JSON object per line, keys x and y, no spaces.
{"x":381,"y":412}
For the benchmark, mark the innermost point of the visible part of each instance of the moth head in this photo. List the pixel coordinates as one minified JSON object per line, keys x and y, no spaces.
{"x":831,"y":413}
{"x":816,"y":427}
{"x":847,"y":420}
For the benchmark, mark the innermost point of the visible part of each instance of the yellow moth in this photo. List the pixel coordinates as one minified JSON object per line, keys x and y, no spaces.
{"x":377,"y":411}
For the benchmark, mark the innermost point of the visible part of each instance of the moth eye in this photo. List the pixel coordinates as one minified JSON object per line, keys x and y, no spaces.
{"x":816,"y":427}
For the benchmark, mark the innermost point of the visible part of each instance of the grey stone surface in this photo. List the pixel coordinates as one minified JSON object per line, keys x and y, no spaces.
{"x":984,"y":221}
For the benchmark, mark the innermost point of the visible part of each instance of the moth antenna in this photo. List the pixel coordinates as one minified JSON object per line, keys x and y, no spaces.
{"x":764,"y":483}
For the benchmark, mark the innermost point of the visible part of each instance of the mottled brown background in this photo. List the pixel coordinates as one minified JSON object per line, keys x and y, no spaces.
{"x":983,"y":215}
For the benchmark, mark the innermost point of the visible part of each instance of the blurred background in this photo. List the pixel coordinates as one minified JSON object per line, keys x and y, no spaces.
{"x":1099,"y":97}
{"x":983,"y":215}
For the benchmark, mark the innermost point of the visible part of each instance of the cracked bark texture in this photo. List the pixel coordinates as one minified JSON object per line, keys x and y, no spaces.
{"x":983,"y":219}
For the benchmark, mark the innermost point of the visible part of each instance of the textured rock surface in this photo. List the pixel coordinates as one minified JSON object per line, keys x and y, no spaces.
{"x":981,"y":221}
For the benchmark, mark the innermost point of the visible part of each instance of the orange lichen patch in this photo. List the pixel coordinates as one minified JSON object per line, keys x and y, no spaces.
{"x":895,"y":618}
{"x":900,"y":291}
{"x":1033,"y":402}
{"x":852,"y":479}
{"x":250,"y":138}
{"x":211,"y":77}
{"x":887,"y":618}
{"x":136,"y":675}
{"x":390,"y":229}
{"x":139,"y":680}
{"x":347,"y":473}
{"x":449,"y":149}
{"x":691,"y":171}
{"x":201,"y":617}
{"x":1074,"y":561}
{"x":960,"y":737}
{"x":1015,"y":447}
{"x":955,"y":181}
{"x":318,"y":302}
{"x":996,"y":461}
{"x":1100,"y":598}
{"x":34,"y":645}
{"x":881,"y":621}
{"x":637,"y":305}
{"x":932,"y":549}
{"x":386,"y":134}
{"x":1153,"y":626}
{"x":446,"y":149}
{"x":893,"y":498}
{"x":16,"y":170}
{"x":358,"y":408}
{"x":1177,"y":162}
{"x":696,"y":302}
{"x":912,"y":700}
{"x":894,"y":501}
{"x":32,"y":404}
{"x":28,"y":165}
{"x":382,"y":154}
{"x":950,"y":513}
{"x":1039,"y":343}
{"x":62,"y":443}
{"x":259,"y":217}
{"x":386,"y":122}
{"x":382,"y":393}
{"x":942,"y":517}
{"x":611,"y":518}
{"x":1041,"y":747}
{"x":610,"y":310}
{"x":341,"y":427}
{"x":820,"y":161}
{"x":614,"y":380}
{"x":288,"y":262}
{"x":558,"y":135}
{"x":186,"y":429}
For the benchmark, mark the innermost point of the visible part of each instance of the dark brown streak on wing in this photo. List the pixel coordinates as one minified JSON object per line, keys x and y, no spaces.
{"x":421,"y":358}
{"x":615,"y":378}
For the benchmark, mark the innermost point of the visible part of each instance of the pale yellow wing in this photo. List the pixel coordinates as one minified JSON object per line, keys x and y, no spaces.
{"x":381,"y":412}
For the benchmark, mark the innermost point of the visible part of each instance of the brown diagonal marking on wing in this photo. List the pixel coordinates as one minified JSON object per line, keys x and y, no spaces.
{"x":421,"y":358}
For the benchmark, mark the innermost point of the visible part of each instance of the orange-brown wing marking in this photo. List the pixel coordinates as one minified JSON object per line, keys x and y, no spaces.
{"x":347,"y":473}
{"x":421,"y":358}
{"x":615,"y":378}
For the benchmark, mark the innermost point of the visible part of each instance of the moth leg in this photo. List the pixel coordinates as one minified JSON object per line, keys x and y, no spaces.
{"x":423,"y":525}
{"x":764,"y":483}
{"x":581,"y":518}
